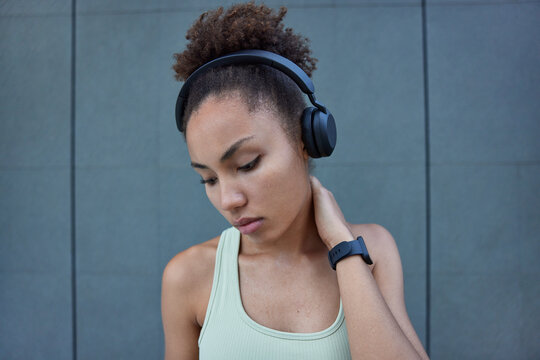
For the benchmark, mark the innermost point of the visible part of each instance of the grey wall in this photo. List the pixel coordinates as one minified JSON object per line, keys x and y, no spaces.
{"x":96,"y":194}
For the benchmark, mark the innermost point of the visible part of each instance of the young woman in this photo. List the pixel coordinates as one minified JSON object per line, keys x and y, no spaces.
{"x":264,"y":289}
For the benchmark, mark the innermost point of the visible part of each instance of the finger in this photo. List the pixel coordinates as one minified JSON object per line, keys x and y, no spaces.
{"x":315,"y":183}
{"x":318,"y":187}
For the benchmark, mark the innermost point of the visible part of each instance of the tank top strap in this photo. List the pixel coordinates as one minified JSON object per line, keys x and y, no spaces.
{"x":230,"y":239}
{"x":223,"y":296}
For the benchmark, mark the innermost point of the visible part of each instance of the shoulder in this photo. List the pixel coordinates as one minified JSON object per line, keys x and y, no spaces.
{"x":192,"y":261}
{"x":185,"y":290}
{"x":188,"y":276}
{"x":379,"y":242}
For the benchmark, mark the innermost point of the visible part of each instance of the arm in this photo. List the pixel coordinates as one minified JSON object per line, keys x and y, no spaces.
{"x":389,"y":277}
{"x":377,"y":322}
{"x":178,"y":314}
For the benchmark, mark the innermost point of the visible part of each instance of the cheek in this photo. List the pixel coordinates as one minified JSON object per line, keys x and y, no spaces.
{"x":212,"y":195}
{"x":284,"y":186}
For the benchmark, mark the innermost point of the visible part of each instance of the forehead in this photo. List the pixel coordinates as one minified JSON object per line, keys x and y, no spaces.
{"x":220,"y":121}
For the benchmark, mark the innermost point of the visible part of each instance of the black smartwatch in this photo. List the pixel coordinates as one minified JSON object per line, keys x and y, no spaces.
{"x":348,"y":248}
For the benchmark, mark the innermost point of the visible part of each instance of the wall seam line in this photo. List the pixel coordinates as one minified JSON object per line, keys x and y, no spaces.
{"x":72,"y":185}
{"x":427,"y":178}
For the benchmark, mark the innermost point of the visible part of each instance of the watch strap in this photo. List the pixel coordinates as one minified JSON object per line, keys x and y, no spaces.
{"x":348,"y":248}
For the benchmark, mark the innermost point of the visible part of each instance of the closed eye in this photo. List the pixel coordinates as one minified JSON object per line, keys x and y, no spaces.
{"x":247,"y":167}
{"x":250,"y":165}
{"x":210,"y":181}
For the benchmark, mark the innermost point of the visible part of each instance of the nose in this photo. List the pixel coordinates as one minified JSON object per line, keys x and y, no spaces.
{"x":232,"y":196}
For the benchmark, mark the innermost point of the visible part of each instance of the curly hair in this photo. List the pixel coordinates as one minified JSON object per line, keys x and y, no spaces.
{"x":241,"y":27}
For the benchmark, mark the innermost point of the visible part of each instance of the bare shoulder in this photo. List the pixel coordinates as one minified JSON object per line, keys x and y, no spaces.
{"x":379,"y":242}
{"x":191,"y":262}
{"x":185,"y":290}
{"x":189,"y":274}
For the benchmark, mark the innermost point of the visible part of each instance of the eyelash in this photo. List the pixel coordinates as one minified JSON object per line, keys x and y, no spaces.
{"x":248,"y":167}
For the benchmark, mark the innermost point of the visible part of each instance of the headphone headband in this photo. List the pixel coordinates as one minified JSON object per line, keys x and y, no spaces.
{"x":276,"y":61}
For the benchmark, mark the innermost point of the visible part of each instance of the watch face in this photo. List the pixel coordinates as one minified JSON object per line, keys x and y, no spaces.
{"x":346,"y":248}
{"x":365,"y":254}
{"x":367,"y":259}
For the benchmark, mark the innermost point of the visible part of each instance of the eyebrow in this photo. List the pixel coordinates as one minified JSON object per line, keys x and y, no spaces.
{"x":227,"y":154}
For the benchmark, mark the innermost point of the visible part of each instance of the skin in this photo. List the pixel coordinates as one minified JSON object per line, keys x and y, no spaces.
{"x":301,"y":221}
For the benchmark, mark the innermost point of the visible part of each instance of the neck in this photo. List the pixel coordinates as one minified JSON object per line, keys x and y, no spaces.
{"x":300,"y":238}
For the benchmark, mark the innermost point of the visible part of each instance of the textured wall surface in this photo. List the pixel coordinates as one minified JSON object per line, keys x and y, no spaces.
{"x":437,"y":105}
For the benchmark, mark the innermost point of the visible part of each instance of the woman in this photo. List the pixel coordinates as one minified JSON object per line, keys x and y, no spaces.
{"x":264,"y":289}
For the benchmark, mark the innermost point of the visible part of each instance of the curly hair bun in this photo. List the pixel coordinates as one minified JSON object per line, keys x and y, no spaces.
{"x":240,"y":27}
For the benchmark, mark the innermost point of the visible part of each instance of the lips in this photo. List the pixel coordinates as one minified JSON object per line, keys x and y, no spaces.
{"x":248,"y":225}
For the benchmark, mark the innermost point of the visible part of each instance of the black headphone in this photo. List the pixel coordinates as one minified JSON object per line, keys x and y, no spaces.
{"x":318,"y":125}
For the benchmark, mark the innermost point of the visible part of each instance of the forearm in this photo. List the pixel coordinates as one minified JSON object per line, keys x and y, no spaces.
{"x":373,"y":331}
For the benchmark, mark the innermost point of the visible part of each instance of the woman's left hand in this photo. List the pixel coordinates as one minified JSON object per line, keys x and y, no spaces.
{"x":331,"y":224}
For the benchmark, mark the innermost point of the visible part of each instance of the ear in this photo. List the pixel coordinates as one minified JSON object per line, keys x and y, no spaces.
{"x":303,"y":150}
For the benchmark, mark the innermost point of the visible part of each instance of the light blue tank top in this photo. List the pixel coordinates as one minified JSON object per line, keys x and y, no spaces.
{"x":229,"y":333}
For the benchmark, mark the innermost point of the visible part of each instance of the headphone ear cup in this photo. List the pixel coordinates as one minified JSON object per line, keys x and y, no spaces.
{"x":307,"y":132}
{"x":324,"y":132}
